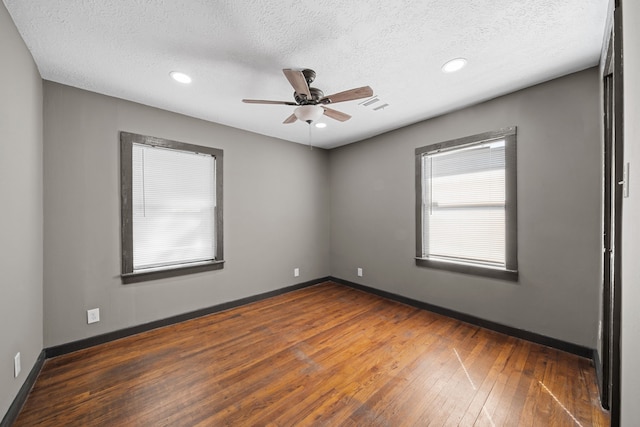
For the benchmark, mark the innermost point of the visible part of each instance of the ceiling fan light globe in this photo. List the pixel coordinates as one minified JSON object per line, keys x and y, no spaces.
{"x":308,"y":113}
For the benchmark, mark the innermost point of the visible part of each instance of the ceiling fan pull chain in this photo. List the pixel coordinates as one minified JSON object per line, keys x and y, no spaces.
{"x":310,"y":146}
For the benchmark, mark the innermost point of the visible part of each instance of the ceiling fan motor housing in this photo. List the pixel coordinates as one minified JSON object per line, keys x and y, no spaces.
{"x":316,"y":95}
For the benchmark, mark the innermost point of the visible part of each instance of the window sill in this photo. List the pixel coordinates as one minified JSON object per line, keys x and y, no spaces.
{"x":141,"y":276}
{"x":510,"y":275}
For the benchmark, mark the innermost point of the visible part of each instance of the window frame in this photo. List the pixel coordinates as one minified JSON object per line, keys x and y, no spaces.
{"x":128,"y":274}
{"x":510,"y":272}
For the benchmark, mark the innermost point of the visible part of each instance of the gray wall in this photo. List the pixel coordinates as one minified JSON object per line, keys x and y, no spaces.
{"x":559,"y":181}
{"x":630,"y":340}
{"x":21,"y":209}
{"x":276,"y":215}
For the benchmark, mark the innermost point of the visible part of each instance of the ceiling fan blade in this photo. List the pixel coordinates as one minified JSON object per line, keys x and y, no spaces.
{"x":298,"y":81}
{"x":292,"y":118}
{"x":262,"y":101}
{"x":348,"y":95}
{"x":336,"y":115}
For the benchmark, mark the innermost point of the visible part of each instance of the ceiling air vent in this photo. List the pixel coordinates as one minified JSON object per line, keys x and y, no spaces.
{"x":374,"y":103}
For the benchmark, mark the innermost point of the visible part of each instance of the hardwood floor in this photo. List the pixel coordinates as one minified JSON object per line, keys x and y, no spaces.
{"x":324,"y":355}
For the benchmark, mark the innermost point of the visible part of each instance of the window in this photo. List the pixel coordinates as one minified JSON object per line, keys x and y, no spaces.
{"x":171,"y":208}
{"x":466,"y":207}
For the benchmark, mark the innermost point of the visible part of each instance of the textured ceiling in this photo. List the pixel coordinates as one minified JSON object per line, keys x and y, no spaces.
{"x":237,"y":49}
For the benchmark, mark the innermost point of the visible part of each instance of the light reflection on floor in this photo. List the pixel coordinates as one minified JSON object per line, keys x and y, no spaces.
{"x":544,"y":387}
{"x":559,"y":403}
{"x":484,"y":409}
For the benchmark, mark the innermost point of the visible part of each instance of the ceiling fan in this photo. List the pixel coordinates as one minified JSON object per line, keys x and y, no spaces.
{"x":311,"y":101}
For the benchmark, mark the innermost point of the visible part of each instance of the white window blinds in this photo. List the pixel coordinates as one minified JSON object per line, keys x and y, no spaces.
{"x":174,"y":207}
{"x":463,"y":209}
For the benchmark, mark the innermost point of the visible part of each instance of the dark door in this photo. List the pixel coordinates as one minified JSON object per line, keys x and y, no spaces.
{"x":609,"y":232}
{"x":612,"y":204}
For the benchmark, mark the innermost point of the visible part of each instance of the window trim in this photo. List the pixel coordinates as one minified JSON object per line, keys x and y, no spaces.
{"x":128,"y":275}
{"x":511,"y":206}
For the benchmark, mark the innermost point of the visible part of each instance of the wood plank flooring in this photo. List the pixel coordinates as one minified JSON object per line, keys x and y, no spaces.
{"x":325,"y":355}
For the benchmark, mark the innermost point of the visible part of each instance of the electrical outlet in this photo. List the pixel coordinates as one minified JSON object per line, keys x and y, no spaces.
{"x":296,"y":272}
{"x":93,"y":315}
{"x":359,"y":272}
{"x":16,"y":365}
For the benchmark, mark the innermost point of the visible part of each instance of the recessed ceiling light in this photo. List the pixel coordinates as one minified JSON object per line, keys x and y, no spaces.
{"x":454,"y":65}
{"x":321,"y":125}
{"x":180,"y":77}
